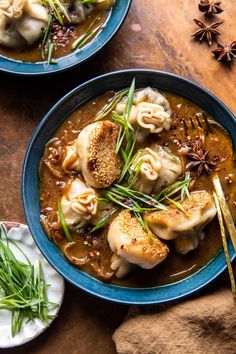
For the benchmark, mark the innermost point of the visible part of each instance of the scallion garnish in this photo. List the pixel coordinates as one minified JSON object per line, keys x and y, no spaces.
{"x":126,"y":130}
{"x":58,"y":10}
{"x":103,"y":221}
{"x":90,"y":33}
{"x":112,"y":103}
{"x":22,"y":287}
{"x":63,"y":222}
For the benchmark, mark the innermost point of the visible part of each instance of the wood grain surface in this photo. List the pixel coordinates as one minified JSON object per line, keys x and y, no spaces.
{"x":156,"y":34}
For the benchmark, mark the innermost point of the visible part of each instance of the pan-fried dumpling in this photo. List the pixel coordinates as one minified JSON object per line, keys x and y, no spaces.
{"x":186,"y":228}
{"x":79,"y":204}
{"x":99,"y":162}
{"x":149,"y":165}
{"x":76,"y":11}
{"x":151,"y":111}
{"x":129,"y":241}
{"x":71,"y":159}
{"x":187,"y":243}
{"x":21,"y":22}
{"x":171,"y":169}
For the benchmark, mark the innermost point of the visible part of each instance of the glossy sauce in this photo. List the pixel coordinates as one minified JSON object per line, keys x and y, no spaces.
{"x":175,"y":267}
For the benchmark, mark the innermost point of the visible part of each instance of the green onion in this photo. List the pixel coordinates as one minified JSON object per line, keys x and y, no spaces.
{"x":173,"y":189}
{"x":133,"y":177}
{"x":112,"y":103}
{"x":185,"y":189}
{"x":103,"y":221}
{"x":48,"y":44}
{"x":177,"y":205}
{"x":91,"y":32}
{"x":58,"y":10}
{"x":126,"y":130}
{"x":127,"y":159}
{"x":133,"y":200}
{"x":50,"y":53}
{"x":22,"y":288}
{"x":63,"y":222}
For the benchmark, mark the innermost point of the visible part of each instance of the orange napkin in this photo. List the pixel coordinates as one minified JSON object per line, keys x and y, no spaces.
{"x":204,"y":325}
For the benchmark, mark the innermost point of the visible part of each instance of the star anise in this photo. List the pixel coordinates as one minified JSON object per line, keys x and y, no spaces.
{"x":199,"y":157}
{"x":207,"y":31}
{"x":210,"y":7}
{"x":225,"y":52}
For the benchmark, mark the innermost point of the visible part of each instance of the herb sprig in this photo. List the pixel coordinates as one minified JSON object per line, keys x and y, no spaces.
{"x":22,"y":287}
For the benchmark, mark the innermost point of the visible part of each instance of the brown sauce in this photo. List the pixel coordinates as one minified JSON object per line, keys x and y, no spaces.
{"x":34,"y":54}
{"x":175,"y":267}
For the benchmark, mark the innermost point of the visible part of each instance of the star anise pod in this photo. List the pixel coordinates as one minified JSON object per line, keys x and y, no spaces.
{"x":210,"y":7}
{"x":225,"y":53}
{"x":207,"y":31}
{"x":199,"y":157}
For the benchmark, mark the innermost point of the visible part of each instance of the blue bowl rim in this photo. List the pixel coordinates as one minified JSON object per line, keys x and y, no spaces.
{"x":132,"y":292}
{"x":53,"y":68}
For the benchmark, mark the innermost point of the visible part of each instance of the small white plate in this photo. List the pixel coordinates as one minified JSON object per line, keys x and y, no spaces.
{"x":55,"y":292}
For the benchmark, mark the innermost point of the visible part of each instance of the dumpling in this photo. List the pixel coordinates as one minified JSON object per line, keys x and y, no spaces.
{"x":186,"y":228}
{"x":151,"y":111}
{"x":129,"y":241}
{"x":149,"y":170}
{"x":99,"y":162}
{"x":21,"y":22}
{"x":120,"y":266}
{"x":76,"y":11}
{"x":79,"y":204}
{"x":71,"y":159}
{"x":171,"y":169}
{"x":160,"y":168}
{"x":187,"y":243}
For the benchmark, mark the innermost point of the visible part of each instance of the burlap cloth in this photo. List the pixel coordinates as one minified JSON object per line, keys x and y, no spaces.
{"x":204,"y":324}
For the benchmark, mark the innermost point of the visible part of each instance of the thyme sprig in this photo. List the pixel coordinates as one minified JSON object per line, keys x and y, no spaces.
{"x":22,"y":287}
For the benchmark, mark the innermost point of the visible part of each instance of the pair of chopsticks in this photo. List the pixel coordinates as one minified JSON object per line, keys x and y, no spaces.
{"x":224,"y":214}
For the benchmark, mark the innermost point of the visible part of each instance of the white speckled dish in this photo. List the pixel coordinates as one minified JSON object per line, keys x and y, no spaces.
{"x":21,"y":235}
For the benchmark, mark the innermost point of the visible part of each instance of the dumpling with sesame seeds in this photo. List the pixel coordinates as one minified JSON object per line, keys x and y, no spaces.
{"x":132,"y":244}
{"x":100,"y":165}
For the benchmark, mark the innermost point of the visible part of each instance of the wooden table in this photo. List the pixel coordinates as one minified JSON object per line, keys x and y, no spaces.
{"x":155,"y":35}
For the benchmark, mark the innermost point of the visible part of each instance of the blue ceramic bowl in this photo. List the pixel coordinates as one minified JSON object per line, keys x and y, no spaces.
{"x":118,"y":15}
{"x":30,"y":188}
